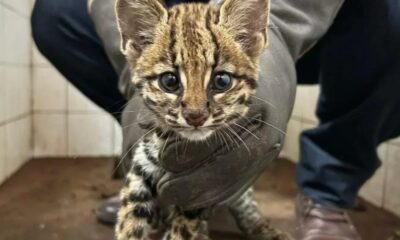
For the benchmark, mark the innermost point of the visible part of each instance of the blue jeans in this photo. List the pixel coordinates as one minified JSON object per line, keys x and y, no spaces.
{"x":357,"y":64}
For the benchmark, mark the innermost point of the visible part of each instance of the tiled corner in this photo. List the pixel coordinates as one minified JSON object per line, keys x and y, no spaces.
{"x":18,"y":144}
{"x":49,"y":135}
{"x":90,"y":135}
{"x":373,"y":190}
{"x":23,"y":7}
{"x":3,"y":160}
{"x":117,"y":138}
{"x":16,"y":39}
{"x":49,"y":90}
{"x":77,"y":102}
{"x":391,"y":199}
{"x":17,"y":84}
{"x":291,"y":146}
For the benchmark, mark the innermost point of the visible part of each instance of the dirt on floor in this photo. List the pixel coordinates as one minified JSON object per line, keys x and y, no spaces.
{"x":55,"y":199}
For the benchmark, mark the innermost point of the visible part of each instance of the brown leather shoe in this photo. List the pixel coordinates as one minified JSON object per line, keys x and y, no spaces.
{"x":316,"y":222}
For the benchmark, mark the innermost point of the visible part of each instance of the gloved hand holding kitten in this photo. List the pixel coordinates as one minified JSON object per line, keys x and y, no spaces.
{"x":209,"y":172}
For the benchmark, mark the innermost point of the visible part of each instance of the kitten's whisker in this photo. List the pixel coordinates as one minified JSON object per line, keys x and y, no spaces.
{"x":163,"y":133}
{"x":218,"y":134}
{"x":230,"y":137}
{"x":237,"y":135}
{"x":218,"y":137}
{"x":208,"y":144}
{"x":130,"y":148}
{"x":123,"y":106}
{"x":185,"y":148}
{"x":133,"y":123}
{"x":248,"y":120}
{"x":224,"y":139}
{"x":269,"y":124}
{"x":247,"y":130}
{"x":165,"y":144}
{"x":176,"y":149}
{"x":263,"y":100}
{"x":140,"y":110}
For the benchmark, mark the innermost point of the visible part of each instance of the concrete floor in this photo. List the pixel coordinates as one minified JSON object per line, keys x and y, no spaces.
{"x":55,"y":199}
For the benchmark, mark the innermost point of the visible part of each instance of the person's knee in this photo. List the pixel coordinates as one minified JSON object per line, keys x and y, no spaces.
{"x":44,"y":23}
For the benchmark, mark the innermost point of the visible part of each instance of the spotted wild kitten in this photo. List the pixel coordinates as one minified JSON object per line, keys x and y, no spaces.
{"x":196,"y":67}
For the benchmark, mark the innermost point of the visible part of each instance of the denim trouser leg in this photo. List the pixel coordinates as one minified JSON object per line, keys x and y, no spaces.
{"x":64,"y":33}
{"x":358,"y":66}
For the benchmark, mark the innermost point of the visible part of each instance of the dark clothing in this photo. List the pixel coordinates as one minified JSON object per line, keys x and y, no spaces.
{"x":65,"y":34}
{"x":356,"y":63}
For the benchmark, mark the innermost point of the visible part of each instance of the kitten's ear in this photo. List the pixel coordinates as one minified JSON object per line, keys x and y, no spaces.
{"x":137,"y":21}
{"x":247,"y":21}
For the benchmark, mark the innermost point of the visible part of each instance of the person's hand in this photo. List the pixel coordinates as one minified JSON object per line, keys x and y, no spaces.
{"x":208,"y":173}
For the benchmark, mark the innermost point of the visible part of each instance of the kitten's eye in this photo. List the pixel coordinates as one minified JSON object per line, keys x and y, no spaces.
{"x":222,"y":82}
{"x":169,"y":82}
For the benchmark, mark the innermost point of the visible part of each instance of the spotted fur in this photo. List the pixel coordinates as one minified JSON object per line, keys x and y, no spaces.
{"x":194,"y":42}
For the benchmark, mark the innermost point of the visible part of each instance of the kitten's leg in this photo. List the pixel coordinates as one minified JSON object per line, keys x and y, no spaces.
{"x":186,"y":226}
{"x":137,"y":210}
{"x":250,"y":220}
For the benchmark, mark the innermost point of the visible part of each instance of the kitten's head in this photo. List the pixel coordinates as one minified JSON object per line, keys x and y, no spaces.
{"x":195,"y":65}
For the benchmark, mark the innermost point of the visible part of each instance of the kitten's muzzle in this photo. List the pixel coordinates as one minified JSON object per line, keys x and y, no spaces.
{"x":195,"y":118}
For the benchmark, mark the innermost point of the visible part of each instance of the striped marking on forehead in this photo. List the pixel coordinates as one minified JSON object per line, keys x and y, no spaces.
{"x":192,"y":45}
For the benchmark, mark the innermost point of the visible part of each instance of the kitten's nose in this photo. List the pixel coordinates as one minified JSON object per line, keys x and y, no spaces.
{"x":195,"y":118}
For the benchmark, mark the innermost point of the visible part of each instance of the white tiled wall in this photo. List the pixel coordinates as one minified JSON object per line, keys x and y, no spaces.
{"x":50,"y":90}
{"x":41,"y":114}
{"x":50,"y":134}
{"x":15,"y":86}
{"x":383,"y":189}
{"x":65,"y":122}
